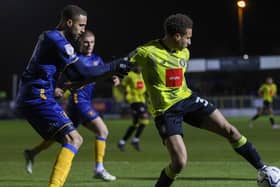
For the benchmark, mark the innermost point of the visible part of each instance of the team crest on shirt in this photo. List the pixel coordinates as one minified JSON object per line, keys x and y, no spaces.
{"x":69,"y":49}
{"x":182,"y":63}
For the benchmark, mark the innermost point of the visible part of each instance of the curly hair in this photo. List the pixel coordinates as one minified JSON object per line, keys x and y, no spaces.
{"x":177,"y":23}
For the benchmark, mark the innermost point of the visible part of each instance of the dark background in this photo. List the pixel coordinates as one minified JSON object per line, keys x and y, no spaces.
{"x":122,"y":25}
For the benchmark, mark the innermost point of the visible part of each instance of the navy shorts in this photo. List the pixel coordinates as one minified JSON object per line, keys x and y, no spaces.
{"x":48,"y":118}
{"x":192,"y":110}
{"x":81,"y":113}
{"x":139,"y":111}
{"x":267,"y":105}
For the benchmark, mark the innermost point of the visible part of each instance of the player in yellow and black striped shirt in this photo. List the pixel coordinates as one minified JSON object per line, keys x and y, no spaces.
{"x":267,"y":91}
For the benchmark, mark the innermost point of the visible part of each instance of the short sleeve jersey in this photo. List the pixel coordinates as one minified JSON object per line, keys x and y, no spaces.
{"x":135,"y":87}
{"x":268,"y":91}
{"x":163,"y":73}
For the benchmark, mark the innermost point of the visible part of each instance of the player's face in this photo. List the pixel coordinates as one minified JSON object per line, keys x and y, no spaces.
{"x":78,"y":26}
{"x":184,"y":40}
{"x":87,"y":45}
{"x":269,"y":80}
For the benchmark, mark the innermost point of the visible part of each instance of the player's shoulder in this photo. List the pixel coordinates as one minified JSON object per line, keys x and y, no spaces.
{"x":151,"y":46}
{"x":53,"y":35}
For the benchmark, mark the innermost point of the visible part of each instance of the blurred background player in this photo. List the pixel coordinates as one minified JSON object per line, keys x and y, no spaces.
{"x":80,"y":110}
{"x":163,"y":64}
{"x":54,"y":55}
{"x":135,"y":89}
{"x":267,"y":92}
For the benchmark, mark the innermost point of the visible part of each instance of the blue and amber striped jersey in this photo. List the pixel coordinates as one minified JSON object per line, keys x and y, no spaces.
{"x":50,"y":57}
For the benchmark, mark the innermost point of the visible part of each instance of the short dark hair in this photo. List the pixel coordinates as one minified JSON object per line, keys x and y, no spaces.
{"x":177,"y":23}
{"x":71,"y":12}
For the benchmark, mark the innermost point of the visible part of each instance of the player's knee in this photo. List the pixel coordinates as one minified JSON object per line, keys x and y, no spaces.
{"x":179,"y":164}
{"x":77,"y":141}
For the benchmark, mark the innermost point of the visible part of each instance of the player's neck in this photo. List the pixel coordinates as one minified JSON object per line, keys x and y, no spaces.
{"x":168,"y":44}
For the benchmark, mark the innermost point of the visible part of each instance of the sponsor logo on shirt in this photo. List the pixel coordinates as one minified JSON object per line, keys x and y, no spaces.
{"x":174,"y":77}
{"x":139,"y":85}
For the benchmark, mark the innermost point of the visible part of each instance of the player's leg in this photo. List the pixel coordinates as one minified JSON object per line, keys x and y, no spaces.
{"x":98,"y":126}
{"x":51,"y":122}
{"x":178,"y":154}
{"x":130,"y":130}
{"x":255,"y":117}
{"x":169,"y":126}
{"x":142,"y":118}
{"x":71,"y":142}
{"x":216,"y":123}
{"x":30,"y":154}
{"x":269,"y":112}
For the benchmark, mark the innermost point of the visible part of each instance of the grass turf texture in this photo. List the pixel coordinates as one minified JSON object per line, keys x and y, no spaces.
{"x":211,"y":161}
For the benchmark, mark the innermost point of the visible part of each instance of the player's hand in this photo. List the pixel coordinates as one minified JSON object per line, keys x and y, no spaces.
{"x":116,"y":80}
{"x":58,"y":92}
{"x":121,"y":67}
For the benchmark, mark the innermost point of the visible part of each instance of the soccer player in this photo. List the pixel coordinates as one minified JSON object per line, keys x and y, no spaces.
{"x":53,"y":55}
{"x":267,"y":91}
{"x":135,"y":89}
{"x":163,"y":64}
{"x":80,"y":109}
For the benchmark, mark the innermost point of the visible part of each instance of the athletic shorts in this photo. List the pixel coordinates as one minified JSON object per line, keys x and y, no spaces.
{"x":267,"y":104}
{"x":81,"y":113}
{"x":48,"y":118}
{"x":191,"y":110}
{"x":139,"y":111}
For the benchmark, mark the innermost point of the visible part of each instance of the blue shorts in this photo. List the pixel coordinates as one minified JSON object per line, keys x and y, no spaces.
{"x":48,"y":118}
{"x":81,"y":113}
{"x":192,"y":110}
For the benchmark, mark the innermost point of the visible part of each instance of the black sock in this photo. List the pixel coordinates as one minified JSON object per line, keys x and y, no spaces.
{"x":255,"y":117}
{"x":139,"y":131}
{"x":164,"y":180}
{"x":271,"y":119}
{"x":249,"y":152}
{"x":128,"y":132}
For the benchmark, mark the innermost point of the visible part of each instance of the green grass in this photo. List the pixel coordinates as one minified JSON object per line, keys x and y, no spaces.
{"x":211,"y":161}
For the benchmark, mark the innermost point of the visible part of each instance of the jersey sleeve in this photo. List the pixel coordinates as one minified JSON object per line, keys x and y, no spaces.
{"x":64,"y":49}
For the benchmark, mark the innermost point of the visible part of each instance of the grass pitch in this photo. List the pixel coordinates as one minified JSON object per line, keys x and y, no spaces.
{"x":211,"y":161}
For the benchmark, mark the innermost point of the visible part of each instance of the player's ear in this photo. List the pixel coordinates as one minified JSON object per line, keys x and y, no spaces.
{"x":177,"y":36}
{"x":69,"y":23}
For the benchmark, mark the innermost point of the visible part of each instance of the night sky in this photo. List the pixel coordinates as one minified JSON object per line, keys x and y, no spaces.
{"x":122,"y":25}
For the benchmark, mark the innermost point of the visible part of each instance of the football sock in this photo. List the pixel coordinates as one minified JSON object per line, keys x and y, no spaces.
{"x":128,"y":132}
{"x":62,"y":165}
{"x":167,"y":176}
{"x":255,"y":117}
{"x":139,"y":130}
{"x":100,"y":146}
{"x":271,"y":119}
{"x":248,"y":151}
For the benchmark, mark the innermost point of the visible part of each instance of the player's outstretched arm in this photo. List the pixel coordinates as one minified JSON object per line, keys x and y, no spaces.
{"x":78,"y":72}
